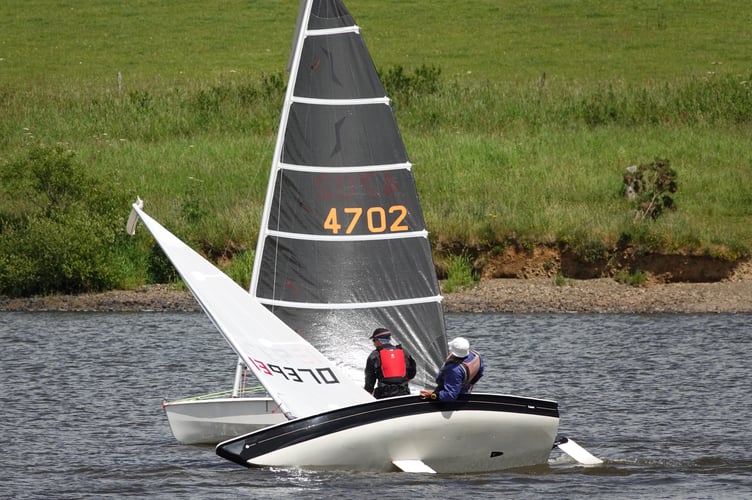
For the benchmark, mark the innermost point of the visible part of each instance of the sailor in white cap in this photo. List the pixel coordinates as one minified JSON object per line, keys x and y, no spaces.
{"x":461,"y":370}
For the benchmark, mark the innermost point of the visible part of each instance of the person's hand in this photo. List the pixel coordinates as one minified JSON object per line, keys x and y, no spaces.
{"x":424,"y":394}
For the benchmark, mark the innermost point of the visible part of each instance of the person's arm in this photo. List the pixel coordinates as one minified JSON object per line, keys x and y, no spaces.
{"x":370,"y":374}
{"x":412,"y":368}
{"x":452,"y":384}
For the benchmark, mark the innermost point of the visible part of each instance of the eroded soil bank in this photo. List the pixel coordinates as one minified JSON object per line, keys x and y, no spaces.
{"x":531,"y":289}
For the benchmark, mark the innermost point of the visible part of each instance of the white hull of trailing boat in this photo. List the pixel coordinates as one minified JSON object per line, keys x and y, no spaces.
{"x":210,"y":421}
{"x":442,"y":437}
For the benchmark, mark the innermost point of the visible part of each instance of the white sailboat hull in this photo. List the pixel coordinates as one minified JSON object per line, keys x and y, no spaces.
{"x":210,"y":421}
{"x":478,"y":433}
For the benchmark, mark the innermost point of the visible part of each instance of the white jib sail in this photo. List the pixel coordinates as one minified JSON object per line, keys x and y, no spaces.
{"x":297,"y":376}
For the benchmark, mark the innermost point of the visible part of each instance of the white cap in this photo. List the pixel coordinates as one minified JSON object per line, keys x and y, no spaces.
{"x":459,"y":347}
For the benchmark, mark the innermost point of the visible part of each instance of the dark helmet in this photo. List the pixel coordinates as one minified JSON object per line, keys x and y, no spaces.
{"x":381,"y":333}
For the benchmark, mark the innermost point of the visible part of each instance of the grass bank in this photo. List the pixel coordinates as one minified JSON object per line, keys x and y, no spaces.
{"x":520,"y":120}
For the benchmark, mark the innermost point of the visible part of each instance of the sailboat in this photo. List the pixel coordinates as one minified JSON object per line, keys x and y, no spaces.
{"x":343,"y":249}
{"x":215,"y":417}
{"x":387,"y":195}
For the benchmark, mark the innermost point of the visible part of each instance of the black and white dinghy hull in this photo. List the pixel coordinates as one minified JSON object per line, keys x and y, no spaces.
{"x":476,"y":433}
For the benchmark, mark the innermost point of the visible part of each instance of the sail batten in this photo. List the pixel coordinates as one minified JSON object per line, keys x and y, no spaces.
{"x":353,"y":305}
{"x":364,"y":237}
{"x":342,"y":102}
{"x":345,"y":169}
{"x":333,"y":31}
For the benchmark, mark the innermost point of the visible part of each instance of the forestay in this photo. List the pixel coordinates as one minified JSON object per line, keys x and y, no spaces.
{"x":298,"y":377}
{"x":343,"y":247}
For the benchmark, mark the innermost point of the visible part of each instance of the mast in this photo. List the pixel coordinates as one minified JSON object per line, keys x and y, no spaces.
{"x":304,"y":12}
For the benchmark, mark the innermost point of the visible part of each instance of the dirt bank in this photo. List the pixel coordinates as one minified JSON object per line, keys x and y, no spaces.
{"x":602,"y":295}
{"x":514,"y":281}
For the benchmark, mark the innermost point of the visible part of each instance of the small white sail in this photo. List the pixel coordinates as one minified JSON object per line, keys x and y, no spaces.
{"x":295,"y":374}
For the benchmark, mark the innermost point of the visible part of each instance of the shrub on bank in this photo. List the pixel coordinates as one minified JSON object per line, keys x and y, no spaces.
{"x":60,"y":229}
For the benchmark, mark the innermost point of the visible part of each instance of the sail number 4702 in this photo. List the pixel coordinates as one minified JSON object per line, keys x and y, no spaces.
{"x":377,"y":219}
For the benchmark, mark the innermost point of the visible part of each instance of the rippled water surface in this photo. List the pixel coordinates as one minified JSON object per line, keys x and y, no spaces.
{"x":663,"y":399}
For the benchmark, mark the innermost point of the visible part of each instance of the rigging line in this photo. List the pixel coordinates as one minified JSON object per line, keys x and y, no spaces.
{"x":352,"y":305}
{"x":245,"y":379}
{"x":212,"y":395}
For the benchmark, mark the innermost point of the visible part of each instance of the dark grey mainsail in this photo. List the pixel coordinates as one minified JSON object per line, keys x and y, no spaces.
{"x":343,"y":247}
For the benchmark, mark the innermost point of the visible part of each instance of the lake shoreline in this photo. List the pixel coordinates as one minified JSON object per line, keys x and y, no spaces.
{"x":517,"y":296}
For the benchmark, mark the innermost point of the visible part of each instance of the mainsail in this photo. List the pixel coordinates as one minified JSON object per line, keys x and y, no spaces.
{"x":294,"y":373}
{"x":343,"y":247}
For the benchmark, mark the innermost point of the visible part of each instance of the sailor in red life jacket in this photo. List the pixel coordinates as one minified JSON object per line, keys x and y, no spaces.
{"x":461,"y":370}
{"x":390,"y":365}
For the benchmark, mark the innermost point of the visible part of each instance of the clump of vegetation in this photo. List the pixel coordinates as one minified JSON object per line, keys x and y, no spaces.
{"x":402,"y":86}
{"x":637,"y":278}
{"x":651,"y":187}
{"x":60,"y":230}
{"x":460,"y":273}
{"x":159,"y":268}
{"x":240,"y":268}
{"x":560,"y":280}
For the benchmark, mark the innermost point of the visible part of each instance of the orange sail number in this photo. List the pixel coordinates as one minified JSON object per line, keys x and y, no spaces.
{"x":375,"y":218}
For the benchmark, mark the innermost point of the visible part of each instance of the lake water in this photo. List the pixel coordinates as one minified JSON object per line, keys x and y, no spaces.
{"x":663,"y":399}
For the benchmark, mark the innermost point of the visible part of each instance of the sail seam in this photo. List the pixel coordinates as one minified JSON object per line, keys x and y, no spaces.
{"x":351,"y":305}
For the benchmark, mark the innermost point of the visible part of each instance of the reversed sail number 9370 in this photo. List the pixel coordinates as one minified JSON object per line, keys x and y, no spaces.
{"x":375,"y":217}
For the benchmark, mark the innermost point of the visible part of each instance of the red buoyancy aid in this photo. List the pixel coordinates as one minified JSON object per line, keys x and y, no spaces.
{"x":393,"y":365}
{"x":472,"y":368}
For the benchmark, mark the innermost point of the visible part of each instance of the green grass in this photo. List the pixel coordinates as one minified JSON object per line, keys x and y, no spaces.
{"x":562,"y":183}
{"x":638,"y":278}
{"x":500,"y":153}
{"x":84,"y":44}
